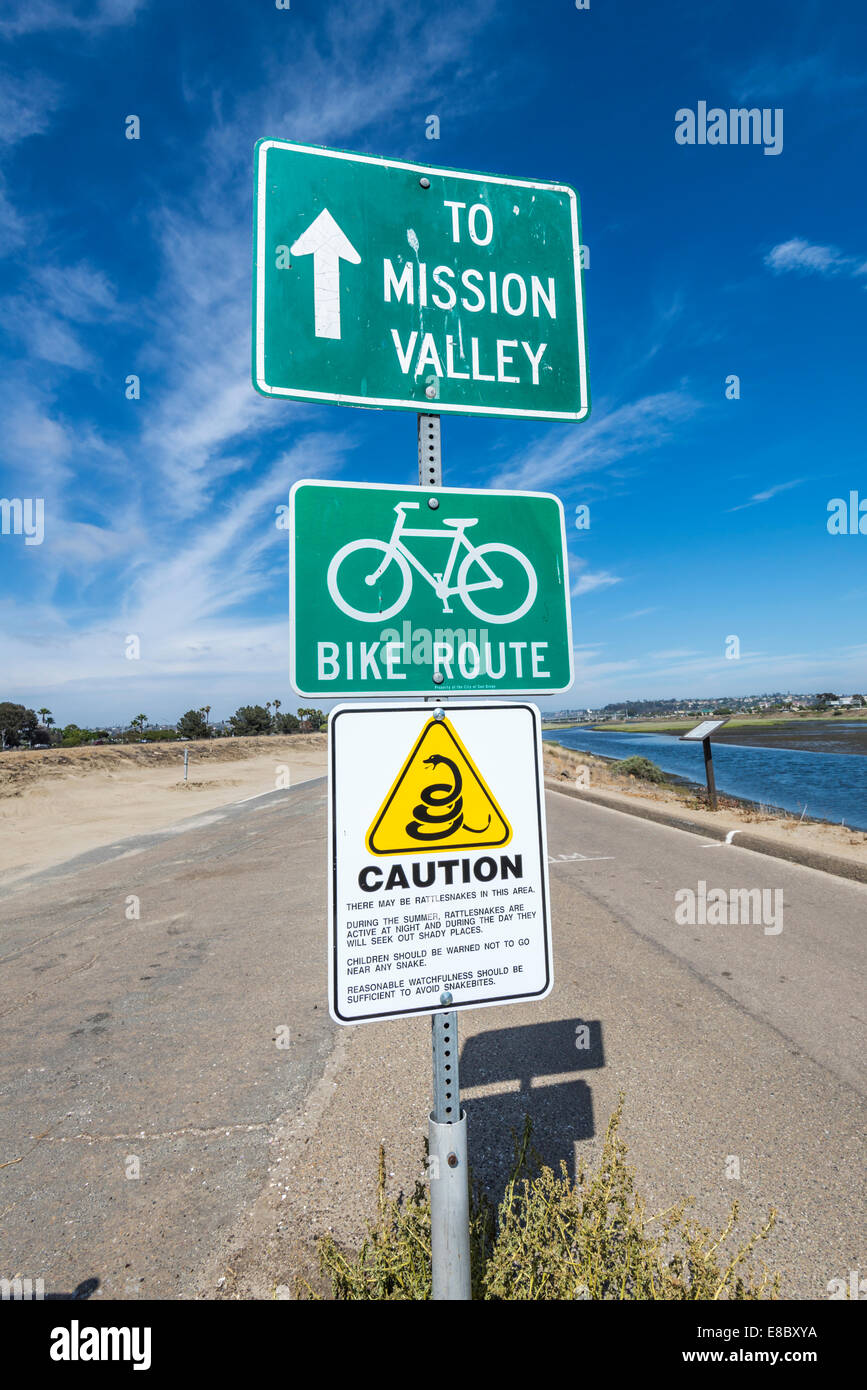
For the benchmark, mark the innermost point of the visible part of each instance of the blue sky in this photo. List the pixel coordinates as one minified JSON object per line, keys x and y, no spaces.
{"x":708,"y":515}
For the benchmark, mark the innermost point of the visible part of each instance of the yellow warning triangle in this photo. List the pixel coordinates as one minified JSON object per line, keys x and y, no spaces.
{"x":439,"y":800}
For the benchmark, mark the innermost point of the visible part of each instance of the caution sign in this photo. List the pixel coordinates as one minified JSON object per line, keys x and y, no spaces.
{"x":439,"y":800}
{"x":438,"y":894}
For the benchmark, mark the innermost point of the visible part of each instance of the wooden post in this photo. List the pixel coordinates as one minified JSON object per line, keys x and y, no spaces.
{"x":708,"y":767}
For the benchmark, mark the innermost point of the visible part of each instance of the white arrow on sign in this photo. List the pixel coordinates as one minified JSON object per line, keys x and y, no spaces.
{"x":327,"y":244}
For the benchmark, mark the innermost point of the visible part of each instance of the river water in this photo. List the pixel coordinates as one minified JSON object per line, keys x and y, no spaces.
{"x":829,"y":786}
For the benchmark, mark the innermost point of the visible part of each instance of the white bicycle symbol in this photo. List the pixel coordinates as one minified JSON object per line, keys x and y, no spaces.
{"x":394,"y":551}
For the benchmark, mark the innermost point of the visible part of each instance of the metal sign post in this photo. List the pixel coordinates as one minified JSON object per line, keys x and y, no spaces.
{"x":708,"y":768}
{"x":701,"y":733}
{"x":447,"y":1125}
{"x":448,"y":1168}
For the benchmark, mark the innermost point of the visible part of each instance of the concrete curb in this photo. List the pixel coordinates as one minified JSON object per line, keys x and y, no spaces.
{"x":746,"y":839}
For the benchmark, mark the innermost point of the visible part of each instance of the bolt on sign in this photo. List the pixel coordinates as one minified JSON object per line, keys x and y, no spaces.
{"x":400,"y":590}
{"x":383,"y":283}
{"x":438,"y":879}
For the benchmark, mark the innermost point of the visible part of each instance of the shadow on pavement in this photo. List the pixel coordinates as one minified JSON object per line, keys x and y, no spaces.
{"x":561,"y":1110}
{"x":86,"y":1289}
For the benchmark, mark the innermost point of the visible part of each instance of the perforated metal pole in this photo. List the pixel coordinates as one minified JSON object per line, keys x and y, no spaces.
{"x":449,"y":1188}
{"x":447,"y":1129}
{"x":430,"y":459}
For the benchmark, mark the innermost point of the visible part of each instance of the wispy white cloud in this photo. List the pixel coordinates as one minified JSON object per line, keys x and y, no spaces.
{"x":79,"y":292}
{"x":87,"y":547}
{"x":610,"y":436}
{"x":27,"y":105}
{"x":819,"y":74}
{"x":35,"y":441}
{"x":363,"y":65}
{"x":595,"y":677}
{"x":766,"y":495}
{"x":186,"y":595}
{"x":198,"y":400}
{"x":674,"y":654}
{"x":46,"y":337}
{"x":806,"y":258}
{"x":58,"y":296}
{"x":93,"y":520}
{"x":13,"y":228}
{"x":219,"y":565}
{"x":39,"y":16}
{"x":589,"y":580}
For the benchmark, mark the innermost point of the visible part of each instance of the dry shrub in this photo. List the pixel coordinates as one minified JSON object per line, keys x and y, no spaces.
{"x":554,"y":1238}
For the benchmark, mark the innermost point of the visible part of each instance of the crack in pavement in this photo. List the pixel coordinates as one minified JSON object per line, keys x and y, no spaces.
{"x":159,"y":1134}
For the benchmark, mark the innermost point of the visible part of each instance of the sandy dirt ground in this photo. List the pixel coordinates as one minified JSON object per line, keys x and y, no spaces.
{"x":58,"y":803}
{"x":562,"y":765}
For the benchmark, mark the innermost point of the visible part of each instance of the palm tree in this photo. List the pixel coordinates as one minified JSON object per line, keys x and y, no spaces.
{"x":138,"y":722}
{"x":43,"y":715}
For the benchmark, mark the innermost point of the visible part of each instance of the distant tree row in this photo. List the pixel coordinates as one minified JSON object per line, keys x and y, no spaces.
{"x":22,"y":727}
{"x":249,"y":720}
{"x":258,"y":719}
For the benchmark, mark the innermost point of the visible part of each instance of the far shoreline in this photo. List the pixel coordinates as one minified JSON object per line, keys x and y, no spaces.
{"x":838,"y":735}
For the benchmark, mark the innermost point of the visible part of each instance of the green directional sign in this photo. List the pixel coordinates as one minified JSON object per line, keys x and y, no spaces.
{"x":383,"y":283}
{"x":408,"y":590}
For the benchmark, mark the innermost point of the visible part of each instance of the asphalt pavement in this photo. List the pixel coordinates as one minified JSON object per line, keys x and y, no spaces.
{"x":180,"y":1116}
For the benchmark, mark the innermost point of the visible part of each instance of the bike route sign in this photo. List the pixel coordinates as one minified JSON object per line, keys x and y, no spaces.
{"x":438,"y":881}
{"x":409,"y":590}
{"x":387,"y":284}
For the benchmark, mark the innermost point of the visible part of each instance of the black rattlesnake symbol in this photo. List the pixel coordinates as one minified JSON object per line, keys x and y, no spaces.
{"x":441,"y":806}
